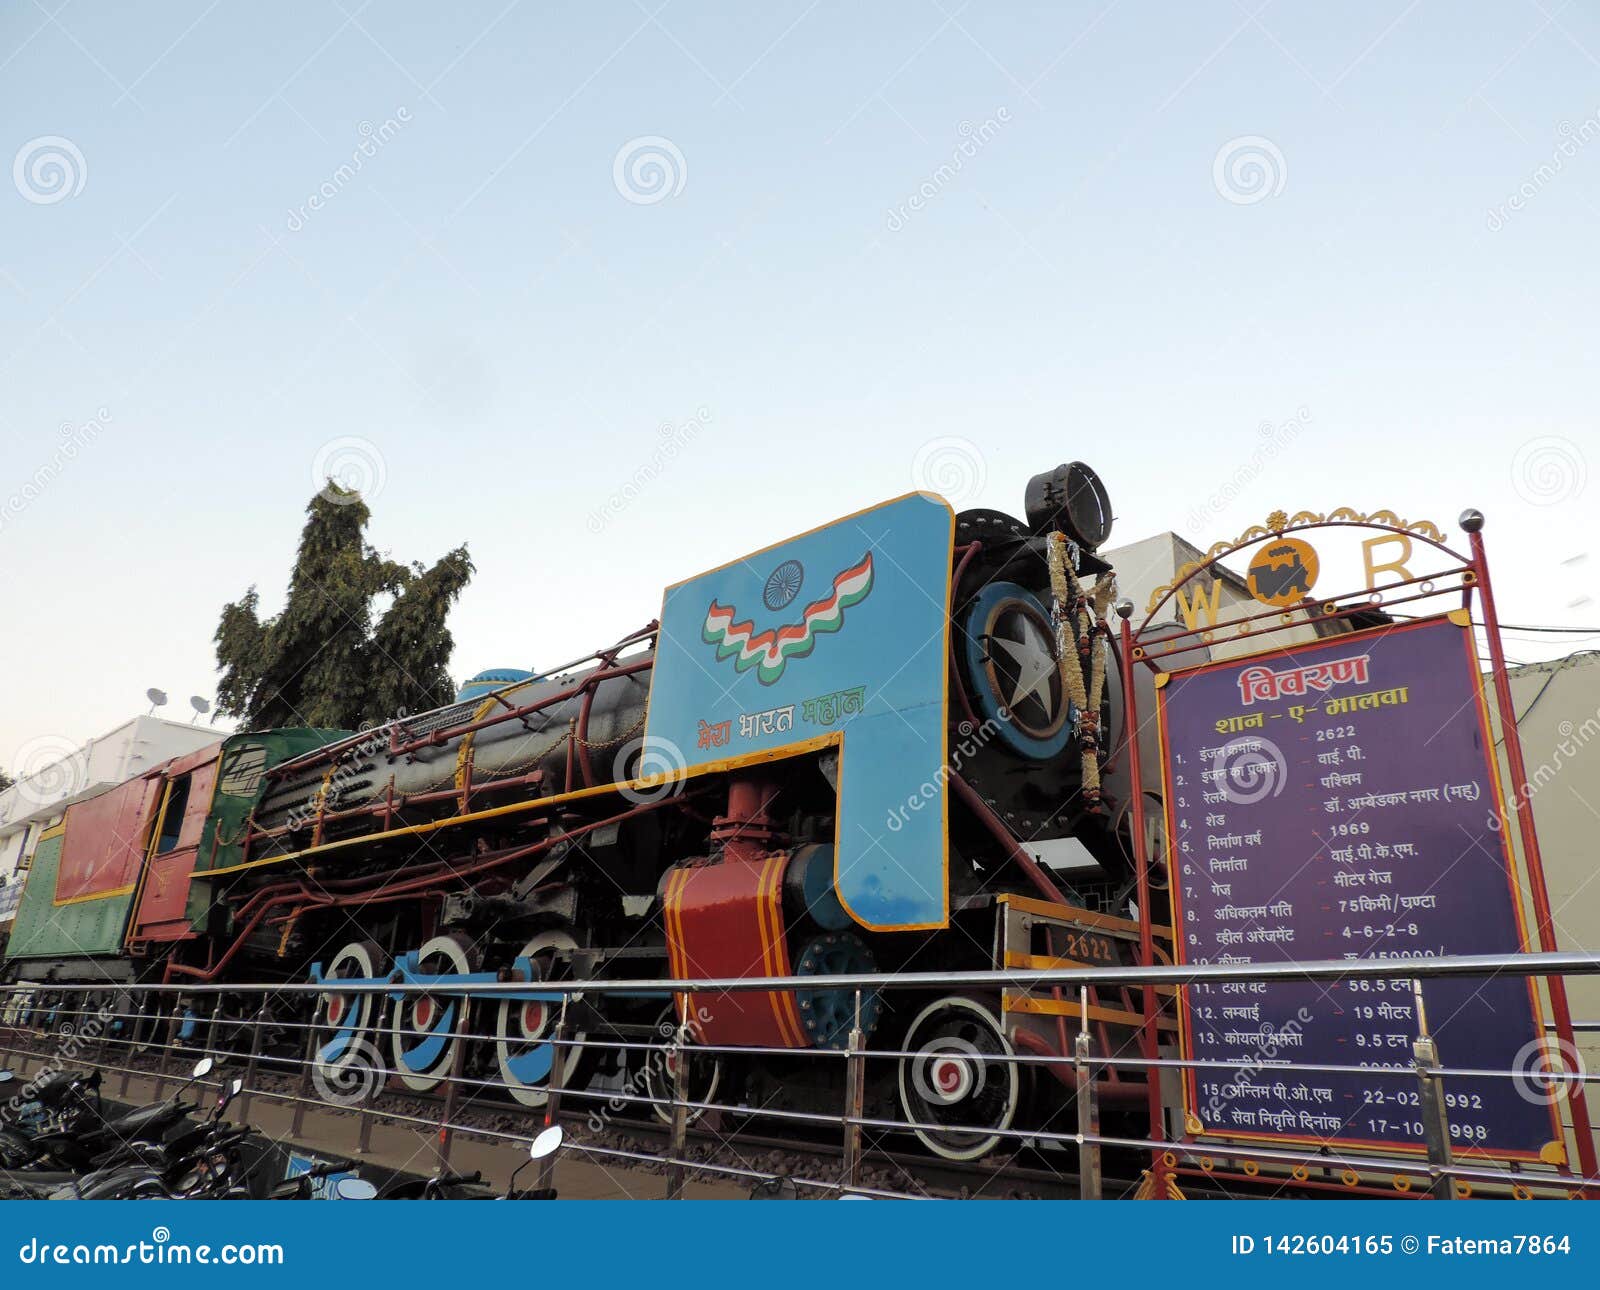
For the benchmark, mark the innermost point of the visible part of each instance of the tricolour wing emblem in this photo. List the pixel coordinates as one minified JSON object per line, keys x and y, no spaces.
{"x":770,"y":651}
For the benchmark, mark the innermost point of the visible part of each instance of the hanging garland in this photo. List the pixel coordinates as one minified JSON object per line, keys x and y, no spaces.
{"x":1079,"y":618}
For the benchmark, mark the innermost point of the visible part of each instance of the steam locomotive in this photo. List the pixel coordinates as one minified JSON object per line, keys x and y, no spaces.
{"x":593,"y":822}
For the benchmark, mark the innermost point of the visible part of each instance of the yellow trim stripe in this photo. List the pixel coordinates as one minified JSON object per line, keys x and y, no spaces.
{"x":770,"y":909}
{"x":99,"y":895}
{"x":1045,"y":962}
{"x":676,"y":958}
{"x":1062,"y":1008}
{"x":468,"y":740}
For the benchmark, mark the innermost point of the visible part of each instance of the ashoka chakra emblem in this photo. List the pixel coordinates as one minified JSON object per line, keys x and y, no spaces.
{"x":783,"y":584}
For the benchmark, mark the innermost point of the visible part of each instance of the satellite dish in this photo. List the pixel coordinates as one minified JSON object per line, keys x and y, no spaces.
{"x":200,"y":706}
{"x":158,"y":698}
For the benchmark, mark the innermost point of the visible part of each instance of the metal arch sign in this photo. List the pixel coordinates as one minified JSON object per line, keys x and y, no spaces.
{"x":1282,"y":576}
{"x":839,"y":636}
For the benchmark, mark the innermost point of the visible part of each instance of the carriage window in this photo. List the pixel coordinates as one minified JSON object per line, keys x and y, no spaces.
{"x":241,"y":771}
{"x":172,"y":820}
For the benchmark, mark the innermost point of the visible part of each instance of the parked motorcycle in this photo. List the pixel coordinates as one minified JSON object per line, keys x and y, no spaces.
{"x":79,"y":1135}
{"x":201,"y":1163}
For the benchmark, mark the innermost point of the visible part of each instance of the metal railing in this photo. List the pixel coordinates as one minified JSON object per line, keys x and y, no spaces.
{"x":154,"y":1035}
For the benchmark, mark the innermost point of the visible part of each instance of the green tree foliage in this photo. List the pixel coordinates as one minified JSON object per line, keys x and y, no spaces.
{"x":323,"y":660}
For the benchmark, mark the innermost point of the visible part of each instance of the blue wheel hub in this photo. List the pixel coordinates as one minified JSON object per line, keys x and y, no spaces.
{"x":829,"y":1015}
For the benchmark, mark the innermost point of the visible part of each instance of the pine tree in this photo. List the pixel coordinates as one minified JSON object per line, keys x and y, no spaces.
{"x":321,"y":661}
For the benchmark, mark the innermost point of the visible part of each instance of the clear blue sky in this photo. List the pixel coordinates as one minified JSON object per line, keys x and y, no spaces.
{"x":506,"y":315}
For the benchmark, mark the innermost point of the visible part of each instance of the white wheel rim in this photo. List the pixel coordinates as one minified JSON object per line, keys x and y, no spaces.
{"x":660,"y":1085}
{"x":349,"y":1012}
{"x":515,"y":1031}
{"x":418,"y":1014}
{"x":945,"y":1075}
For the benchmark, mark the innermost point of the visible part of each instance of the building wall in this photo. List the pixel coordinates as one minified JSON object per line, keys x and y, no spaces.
{"x":1144,"y":566}
{"x":1558,"y":719}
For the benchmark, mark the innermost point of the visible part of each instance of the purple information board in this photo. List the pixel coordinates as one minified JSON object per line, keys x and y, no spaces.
{"x":1338,"y":800}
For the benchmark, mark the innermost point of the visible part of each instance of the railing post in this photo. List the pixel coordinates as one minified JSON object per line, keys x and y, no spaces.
{"x":364,"y":1111}
{"x":253,"y":1059}
{"x":302,"y":1096}
{"x":1089,"y":1187}
{"x":213,"y":1047}
{"x":135,"y":1029}
{"x":855,"y":1074}
{"x":452,"y":1087}
{"x":1435,"y":1123}
{"x":558,"y":1077}
{"x":680,"y":1113}
{"x":101,"y":1028}
{"x":168,"y":1049}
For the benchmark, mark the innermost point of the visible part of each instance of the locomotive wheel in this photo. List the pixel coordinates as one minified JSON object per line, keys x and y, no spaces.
{"x":522,"y":1027}
{"x":661,"y":1071}
{"x":953,"y":1079}
{"x":427,"y":1028}
{"x":347,"y":1018}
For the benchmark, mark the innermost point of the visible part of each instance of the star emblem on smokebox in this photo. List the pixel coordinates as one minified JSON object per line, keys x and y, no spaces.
{"x":1021,"y":662}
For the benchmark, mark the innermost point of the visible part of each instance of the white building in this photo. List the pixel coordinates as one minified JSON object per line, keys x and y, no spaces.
{"x":1146,"y":566}
{"x":35,"y":802}
{"x":1154,"y":562}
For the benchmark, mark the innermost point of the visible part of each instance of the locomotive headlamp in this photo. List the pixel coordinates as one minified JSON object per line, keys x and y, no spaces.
{"x":1070,"y":498}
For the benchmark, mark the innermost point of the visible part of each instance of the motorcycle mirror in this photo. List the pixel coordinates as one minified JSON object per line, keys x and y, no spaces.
{"x":547,"y":1143}
{"x":7,"y":1076}
{"x":353,"y":1188}
{"x":202,"y":1068}
{"x":235,"y":1088}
